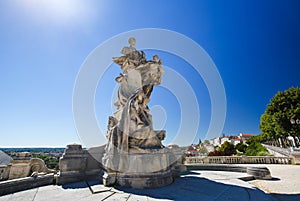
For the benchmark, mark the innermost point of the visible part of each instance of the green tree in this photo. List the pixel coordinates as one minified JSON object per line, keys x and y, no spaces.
{"x":50,"y":162}
{"x":256,"y":149}
{"x":275,"y":122}
{"x":228,"y":148}
{"x":241,"y":147}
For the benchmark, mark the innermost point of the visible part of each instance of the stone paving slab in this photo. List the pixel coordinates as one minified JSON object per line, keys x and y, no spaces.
{"x":286,"y":180}
{"x":196,"y":185}
{"x":285,"y":184}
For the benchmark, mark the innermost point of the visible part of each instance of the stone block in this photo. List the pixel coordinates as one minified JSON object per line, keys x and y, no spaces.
{"x":19,"y":169}
{"x":296,"y":157}
{"x":4,"y":172}
{"x":148,"y":180}
{"x":70,"y":177}
{"x":259,"y":172}
{"x":73,"y":159}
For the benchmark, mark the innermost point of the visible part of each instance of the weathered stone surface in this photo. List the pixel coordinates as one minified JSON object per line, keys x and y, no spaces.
{"x":19,"y":169}
{"x":259,"y":172}
{"x":134,"y":155}
{"x":296,"y":156}
{"x":256,"y":172}
{"x":4,"y":172}
{"x":78,"y":164}
{"x":20,"y":184}
{"x":73,"y":159}
{"x":94,"y":159}
{"x":23,"y":166}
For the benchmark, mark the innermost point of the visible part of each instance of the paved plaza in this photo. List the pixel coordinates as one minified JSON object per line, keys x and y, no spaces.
{"x":195,"y":185}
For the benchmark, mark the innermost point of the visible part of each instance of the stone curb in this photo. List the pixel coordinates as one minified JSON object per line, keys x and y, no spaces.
{"x":15,"y":185}
{"x":255,"y":172}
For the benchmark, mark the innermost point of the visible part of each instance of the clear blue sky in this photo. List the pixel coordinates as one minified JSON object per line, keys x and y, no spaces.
{"x":254,"y":44}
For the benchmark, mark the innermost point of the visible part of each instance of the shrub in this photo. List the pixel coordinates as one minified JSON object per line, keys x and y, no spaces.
{"x":256,"y":149}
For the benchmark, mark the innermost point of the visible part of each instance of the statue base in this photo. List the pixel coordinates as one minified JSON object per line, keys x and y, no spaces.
{"x":131,"y":180}
{"x":146,"y":169}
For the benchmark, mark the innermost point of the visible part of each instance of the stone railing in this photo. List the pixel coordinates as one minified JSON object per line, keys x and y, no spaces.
{"x":239,"y":160}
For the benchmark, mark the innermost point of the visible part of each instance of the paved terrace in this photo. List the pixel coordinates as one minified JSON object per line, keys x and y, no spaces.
{"x":195,"y":185}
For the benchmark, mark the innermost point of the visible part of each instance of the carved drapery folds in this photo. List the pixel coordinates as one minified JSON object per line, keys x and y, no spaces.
{"x":130,"y":130}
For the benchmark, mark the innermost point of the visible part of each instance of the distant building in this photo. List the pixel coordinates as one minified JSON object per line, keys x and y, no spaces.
{"x":218,"y":141}
{"x":225,"y":139}
{"x":215,"y":141}
{"x":210,"y":147}
{"x":244,"y":136}
{"x":235,"y":140}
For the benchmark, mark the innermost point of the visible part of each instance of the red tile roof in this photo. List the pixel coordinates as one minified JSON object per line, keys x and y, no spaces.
{"x":247,"y":135}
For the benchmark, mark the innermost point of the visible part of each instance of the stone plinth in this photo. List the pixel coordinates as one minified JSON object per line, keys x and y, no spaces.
{"x":138,"y":180}
{"x":73,"y":159}
{"x":142,"y":169}
{"x":72,"y":164}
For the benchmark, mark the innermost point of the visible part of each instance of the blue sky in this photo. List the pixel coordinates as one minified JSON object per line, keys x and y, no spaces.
{"x":255,"y":45}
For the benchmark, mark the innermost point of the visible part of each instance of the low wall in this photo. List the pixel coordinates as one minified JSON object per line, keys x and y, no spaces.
{"x":239,"y":160}
{"x":15,"y":185}
{"x":253,"y":172}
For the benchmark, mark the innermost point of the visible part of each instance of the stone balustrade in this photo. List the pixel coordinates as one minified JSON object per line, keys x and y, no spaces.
{"x":239,"y":160}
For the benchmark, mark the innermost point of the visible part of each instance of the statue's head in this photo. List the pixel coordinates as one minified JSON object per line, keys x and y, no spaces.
{"x":132,"y":41}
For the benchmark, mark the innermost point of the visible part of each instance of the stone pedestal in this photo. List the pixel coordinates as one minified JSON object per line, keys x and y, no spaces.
{"x":73,"y":159}
{"x":72,"y":164}
{"x":147,"y":169}
{"x":138,"y":180}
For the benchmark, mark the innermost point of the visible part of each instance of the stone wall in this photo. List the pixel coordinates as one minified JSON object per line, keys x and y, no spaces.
{"x":15,"y":185}
{"x":23,"y":166}
{"x":4,"y":172}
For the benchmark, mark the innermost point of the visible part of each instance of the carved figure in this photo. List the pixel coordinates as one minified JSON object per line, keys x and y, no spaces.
{"x":130,"y":130}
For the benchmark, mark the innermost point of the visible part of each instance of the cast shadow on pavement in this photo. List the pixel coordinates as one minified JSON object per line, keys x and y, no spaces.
{"x":197,"y":188}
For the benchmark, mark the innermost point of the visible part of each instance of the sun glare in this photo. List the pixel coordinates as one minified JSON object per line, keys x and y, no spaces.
{"x":57,"y":11}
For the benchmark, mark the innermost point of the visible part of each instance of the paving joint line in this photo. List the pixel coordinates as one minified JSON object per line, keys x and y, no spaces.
{"x":93,"y":192}
{"x":128,"y":197}
{"x":108,"y":196}
{"x":35,"y":194}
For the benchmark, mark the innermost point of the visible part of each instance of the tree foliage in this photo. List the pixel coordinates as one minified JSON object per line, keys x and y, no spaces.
{"x":256,"y":149}
{"x":241,"y":147}
{"x":50,"y":162}
{"x":252,"y":148}
{"x":275,"y":122}
{"x":228,"y":148}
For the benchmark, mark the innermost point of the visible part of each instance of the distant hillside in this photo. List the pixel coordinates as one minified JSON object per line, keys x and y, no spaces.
{"x":42,"y":149}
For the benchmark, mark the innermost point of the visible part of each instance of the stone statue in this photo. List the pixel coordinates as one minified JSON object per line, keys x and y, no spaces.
{"x":130,"y":130}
